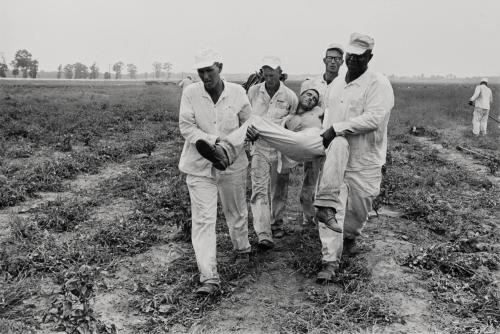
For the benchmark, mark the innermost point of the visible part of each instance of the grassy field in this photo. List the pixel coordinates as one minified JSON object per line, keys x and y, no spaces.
{"x":95,"y":218}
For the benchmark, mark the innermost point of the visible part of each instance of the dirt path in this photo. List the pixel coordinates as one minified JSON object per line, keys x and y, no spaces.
{"x":463,"y":160}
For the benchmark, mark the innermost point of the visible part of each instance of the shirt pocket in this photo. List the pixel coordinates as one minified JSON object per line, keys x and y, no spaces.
{"x":228,"y":120}
{"x":280,"y":110}
{"x":355,"y":108}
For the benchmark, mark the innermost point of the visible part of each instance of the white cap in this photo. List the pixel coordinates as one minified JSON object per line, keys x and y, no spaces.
{"x":271,"y":61}
{"x":206,"y":57}
{"x":359,"y":43}
{"x":336,"y":46}
{"x":484,"y":80}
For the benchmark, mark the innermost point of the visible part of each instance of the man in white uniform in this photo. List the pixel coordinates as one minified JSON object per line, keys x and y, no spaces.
{"x":211,"y":109}
{"x":481,"y":100}
{"x":359,"y":106}
{"x":270,"y":99}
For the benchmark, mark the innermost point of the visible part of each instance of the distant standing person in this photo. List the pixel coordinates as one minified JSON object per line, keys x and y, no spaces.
{"x":186,"y":82}
{"x":481,"y":101}
{"x":210,"y":110}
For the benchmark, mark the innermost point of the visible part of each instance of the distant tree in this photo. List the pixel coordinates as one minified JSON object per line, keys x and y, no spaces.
{"x":23,"y":60}
{"x":94,"y":71}
{"x":3,"y":70}
{"x":157,"y":69}
{"x":33,"y":69}
{"x":68,"y":71}
{"x":168,"y":68}
{"x":15,"y":72}
{"x":117,"y":68}
{"x":81,"y":71}
{"x":59,"y":71}
{"x":132,"y":71}
{"x":107,"y":75}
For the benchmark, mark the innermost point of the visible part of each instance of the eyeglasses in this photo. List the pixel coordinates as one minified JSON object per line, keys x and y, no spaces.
{"x":337,"y":59}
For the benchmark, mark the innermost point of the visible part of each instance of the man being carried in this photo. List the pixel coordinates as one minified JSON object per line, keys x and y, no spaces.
{"x":303,"y":144}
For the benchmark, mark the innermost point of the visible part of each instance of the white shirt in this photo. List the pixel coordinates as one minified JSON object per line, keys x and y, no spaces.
{"x":361,"y":110}
{"x":482,"y":97}
{"x":283,"y":103}
{"x":200,"y":118}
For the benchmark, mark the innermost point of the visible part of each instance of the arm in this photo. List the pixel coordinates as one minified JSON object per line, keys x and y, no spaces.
{"x":477,"y":91}
{"x":379,"y":102}
{"x":245,"y":109}
{"x":188,"y":126}
{"x":294,"y":102}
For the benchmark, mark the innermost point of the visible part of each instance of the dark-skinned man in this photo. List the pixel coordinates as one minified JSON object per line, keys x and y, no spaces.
{"x":211,"y":109}
{"x":358,"y":106}
{"x":270,"y":99}
{"x":333,"y":60}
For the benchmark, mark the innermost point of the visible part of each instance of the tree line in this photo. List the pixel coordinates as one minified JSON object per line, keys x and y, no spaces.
{"x":24,"y":63}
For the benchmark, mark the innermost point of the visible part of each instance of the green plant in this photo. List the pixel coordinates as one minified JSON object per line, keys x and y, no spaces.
{"x":71,"y":310}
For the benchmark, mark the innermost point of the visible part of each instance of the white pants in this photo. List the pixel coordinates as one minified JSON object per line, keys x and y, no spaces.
{"x":311,"y":175}
{"x":479,"y":120}
{"x":304,"y":145}
{"x":353,"y":202}
{"x":203,"y":194}
{"x":269,"y":193}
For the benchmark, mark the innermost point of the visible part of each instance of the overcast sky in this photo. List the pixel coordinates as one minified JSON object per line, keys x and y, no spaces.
{"x":411,"y":37}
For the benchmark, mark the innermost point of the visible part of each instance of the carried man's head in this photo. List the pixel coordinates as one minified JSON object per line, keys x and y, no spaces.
{"x":208,"y":63}
{"x":334,"y":58}
{"x":271,"y":70}
{"x":484,"y":81}
{"x":309,"y":99}
{"x":359,"y":52}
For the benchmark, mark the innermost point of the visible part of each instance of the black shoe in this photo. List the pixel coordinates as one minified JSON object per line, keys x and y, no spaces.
{"x":207,"y":289}
{"x":326,"y":216}
{"x":278,"y":233}
{"x":213,"y":153}
{"x":327,"y":273}
{"x":242,"y":259}
{"x":350,"y":246}
{"x":265,"y":245}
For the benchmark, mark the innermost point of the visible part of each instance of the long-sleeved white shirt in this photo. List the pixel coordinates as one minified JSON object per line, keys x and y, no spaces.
{"x":482,"y":97}
{"x":200,"y":118}
{"x":361,"y":110}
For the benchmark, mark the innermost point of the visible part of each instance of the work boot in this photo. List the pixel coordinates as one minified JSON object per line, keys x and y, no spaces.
{"x":242,"y":259}
{"x":350,"y":247}
{"x":207,"y":289}
{"x":326,"y":216}
{"x":307,"y":220}
{"x":265,"y":245}
{"x":213,"y":153}
{"x":278,"y":233}
{"x":277,"y":229}
{"x":327,"y":273}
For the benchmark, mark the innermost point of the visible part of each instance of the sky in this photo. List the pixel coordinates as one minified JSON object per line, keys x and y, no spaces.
{"x":441,"y":37}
